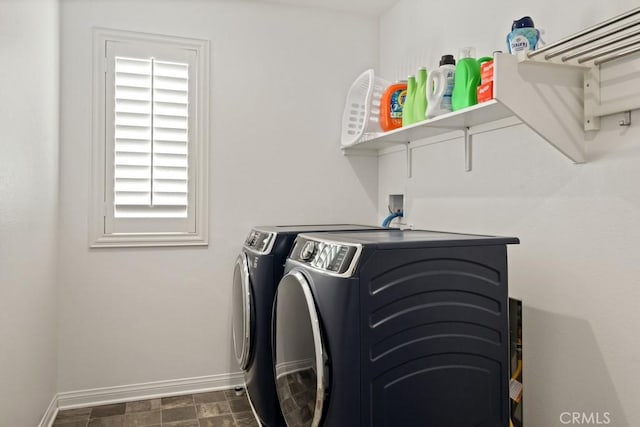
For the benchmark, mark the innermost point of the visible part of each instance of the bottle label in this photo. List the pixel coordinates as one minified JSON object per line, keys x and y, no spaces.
{"x":397,"y":103}
{"x":445,"y":104}
{"x":523,"y":40}
{"x":519,"y":44}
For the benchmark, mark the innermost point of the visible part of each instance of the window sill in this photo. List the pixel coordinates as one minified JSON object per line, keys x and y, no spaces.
{"x":129,"y":240}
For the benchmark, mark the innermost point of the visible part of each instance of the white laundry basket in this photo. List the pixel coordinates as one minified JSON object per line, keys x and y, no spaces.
{"x":361,"y":117}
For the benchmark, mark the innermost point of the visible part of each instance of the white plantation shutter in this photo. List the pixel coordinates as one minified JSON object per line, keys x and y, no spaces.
{"x":170,"y":123}
{"x":132,"y":145}
{"x":151,"y":138}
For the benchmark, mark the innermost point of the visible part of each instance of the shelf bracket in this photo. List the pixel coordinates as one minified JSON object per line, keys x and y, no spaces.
{"x":626,"y":121}
{"x":591,"y":98}
{"x":467,"y":150}
{"x":409,"y":160}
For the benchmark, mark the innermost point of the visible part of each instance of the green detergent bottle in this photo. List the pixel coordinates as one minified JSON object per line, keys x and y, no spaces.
{"x":407,"y":110}
{"x":466,"y":80}
{"x":420,"y":101}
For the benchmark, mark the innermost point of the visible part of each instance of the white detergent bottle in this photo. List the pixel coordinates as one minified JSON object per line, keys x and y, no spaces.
{"x":440,"y":87}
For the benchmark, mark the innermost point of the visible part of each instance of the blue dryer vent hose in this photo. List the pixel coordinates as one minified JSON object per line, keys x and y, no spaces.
{"x":390,"y":218}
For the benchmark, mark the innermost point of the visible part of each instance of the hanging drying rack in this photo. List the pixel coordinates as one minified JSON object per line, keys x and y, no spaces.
{"x":606,"y":42}
{"x":548,"y":90}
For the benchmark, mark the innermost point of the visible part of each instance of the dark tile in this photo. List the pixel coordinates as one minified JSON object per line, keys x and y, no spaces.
{"x":212,"y":409}
{"x":239,"y":404}
{"x":243,"y":415}
{"x":225,"y":408}
{"x":114,"y":421}
{"x":72,"y":418}
{"x":221,"y":421}
{"x":245,"y":419}
{"x":108,"y":410}
{"x":212,"y":396}
{"x":142,"y":419}
{"x":69,"y":414}
{"x":178,"y":414}
{"x":70,"y":423}
{"x":143,"y":405}
{"x":233,"y":394}
{"x":177,"y":401}
{"x":189,"y":423}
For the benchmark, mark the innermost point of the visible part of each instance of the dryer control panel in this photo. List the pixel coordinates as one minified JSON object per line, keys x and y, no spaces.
{"x":259,"y":241}
{"x":335,"y":258}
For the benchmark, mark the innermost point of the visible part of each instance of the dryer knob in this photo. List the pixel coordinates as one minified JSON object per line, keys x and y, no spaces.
{"x":307,"y":251}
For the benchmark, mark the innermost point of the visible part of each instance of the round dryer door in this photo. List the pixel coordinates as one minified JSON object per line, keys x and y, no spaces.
{"x":242,"y":300}
{"x":299,"y":354}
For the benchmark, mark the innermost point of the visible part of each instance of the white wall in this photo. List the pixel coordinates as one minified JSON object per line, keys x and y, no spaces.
{"x":279,"y":77}
{"x":577,"y":266}
{"x":28,"y":208}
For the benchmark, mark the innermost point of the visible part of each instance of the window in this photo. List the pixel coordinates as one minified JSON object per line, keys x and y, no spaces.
{"x":150,"y":153}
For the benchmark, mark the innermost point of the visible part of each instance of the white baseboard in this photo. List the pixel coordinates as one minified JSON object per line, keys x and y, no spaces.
{"x":50,"y":415}
{"x":129,"y":393}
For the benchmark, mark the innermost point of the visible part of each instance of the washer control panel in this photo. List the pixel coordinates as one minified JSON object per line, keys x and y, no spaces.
{"x":331,"y":257}
{"x":260,"y":241}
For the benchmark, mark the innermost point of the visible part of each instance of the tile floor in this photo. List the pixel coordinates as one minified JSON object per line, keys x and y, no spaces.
{"x":212,"y":409}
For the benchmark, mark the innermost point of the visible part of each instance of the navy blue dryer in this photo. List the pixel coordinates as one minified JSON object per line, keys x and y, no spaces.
{"x":258,"y":269}
{"x":397,"y":328}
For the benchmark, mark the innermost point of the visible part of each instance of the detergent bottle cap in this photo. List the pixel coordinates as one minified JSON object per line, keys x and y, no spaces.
{"x":447,"y":60}
{"x":524,"y":22}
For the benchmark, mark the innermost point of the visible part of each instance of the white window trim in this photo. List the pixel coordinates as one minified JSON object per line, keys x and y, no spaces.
{"x":97,"y":236}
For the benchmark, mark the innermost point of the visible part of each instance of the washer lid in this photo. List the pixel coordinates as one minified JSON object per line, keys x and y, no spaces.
{"x":299,"y":354}
{"x":242,"y":311}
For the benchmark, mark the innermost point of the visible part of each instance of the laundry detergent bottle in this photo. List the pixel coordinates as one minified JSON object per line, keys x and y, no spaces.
{"x":466,"y":80}
{"x":523,"y":36}
{"x":420,"y":101}
{"x":440,"y":87}
{"x":407,"y":111}
{"x":392,"y":106}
